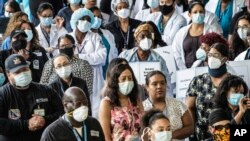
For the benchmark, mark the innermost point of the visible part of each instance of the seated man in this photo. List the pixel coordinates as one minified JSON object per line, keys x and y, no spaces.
{"x":26,"y":108}
{"x":219,"y":125}
{"x":75,"y":125}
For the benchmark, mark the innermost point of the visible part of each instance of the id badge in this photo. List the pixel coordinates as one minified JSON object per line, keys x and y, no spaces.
{"x":40,"y":112}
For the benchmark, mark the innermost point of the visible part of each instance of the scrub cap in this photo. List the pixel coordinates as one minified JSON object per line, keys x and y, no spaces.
{"x":143,"y":27}
{"x":78,"y":14}
{"x":114,"y":3}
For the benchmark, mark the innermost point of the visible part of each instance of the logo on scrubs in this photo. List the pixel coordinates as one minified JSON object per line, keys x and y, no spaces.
{"x":14,"y":114}
{"x":17,"y":61}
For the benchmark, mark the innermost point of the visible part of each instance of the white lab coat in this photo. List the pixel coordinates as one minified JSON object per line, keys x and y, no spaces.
{"x":113,"y":52}
{"x":241,"y":56}
{"x":175,"y":23}
{"x":92,"y":50}
{"x":54,"y":35}
{"x":136,"y":8}
{"x":177,"y":45}
{"x":141,"y":15}
{"x":210,"y":19}
{"x":212,"y":5}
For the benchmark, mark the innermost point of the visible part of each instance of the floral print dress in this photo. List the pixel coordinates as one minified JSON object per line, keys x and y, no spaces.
{"x":125,"y":121}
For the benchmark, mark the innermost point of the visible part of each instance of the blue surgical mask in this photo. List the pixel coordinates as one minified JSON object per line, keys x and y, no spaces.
{"x":2,"y":79}
{"x":163,"y":136}
{"x":75,"y":2}
{"x":97,"y":23}
{"x":201,"y":54}
{"x":23,"y":79}
{"x":29,"y":34}
{"x":234,"y":98}
{"x":242,"y":32}
{"x":84,"y":26}
{"x":198,"y":18}
{"x":46,"y":21}
{"x":126,"y":87}
{"x":153,"y":3}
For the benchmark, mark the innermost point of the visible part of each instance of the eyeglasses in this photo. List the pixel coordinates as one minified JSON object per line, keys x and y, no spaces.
{"x":216,"y":55}
{"x":221,"y":127}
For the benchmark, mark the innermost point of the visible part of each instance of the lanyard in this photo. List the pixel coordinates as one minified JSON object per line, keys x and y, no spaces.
{"x":126,"y":41}
{"x":84,"y":133}
{"x":161,"y":25}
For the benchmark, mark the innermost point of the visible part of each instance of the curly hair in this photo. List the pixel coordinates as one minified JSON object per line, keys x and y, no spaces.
{"x":213,"y":37}
{"x":149,"y":117}
{"x":112,"y":88}
{"x":17,"y":17}
{"x":232,"y":81}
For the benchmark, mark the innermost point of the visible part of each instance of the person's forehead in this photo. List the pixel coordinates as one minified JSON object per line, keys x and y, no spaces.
{"x":223,"y":122}
{"x":60,"y":59}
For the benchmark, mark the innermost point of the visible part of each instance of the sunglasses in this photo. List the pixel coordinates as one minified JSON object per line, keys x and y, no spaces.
{"x":220,"y":127}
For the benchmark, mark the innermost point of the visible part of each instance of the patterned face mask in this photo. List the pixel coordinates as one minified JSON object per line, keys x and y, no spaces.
{"x":222,"y":132}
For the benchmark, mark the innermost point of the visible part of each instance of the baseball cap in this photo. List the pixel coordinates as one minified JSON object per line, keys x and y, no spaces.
{"x":15,"y":62}
{"x":17,"y":32}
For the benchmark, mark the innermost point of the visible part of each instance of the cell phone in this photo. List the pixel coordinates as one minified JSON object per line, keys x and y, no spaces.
{"x":247,"y":96}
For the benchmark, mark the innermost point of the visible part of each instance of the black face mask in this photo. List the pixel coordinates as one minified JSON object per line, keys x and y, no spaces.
{"x":67,"y":51}
{"x":166,"y":9}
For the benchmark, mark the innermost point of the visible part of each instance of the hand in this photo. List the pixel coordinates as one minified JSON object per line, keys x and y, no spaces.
{"x":145,"y":136}
{"x":23,"y":53}
{"x":49,"y":49}
{"x":59,"y":22}
{"x":244,"y":104}
{"x":36,"y":122}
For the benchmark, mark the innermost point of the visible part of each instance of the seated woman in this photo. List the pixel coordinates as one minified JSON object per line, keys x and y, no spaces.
{"x":177,"y":112}
{"x":121,"y":108}
{"x":233,"y":97}
{"x":156,"y":126}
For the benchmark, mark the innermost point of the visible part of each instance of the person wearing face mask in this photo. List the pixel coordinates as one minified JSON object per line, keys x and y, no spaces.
{"x":239,"y":41}
{"x":202,"y":89}
{"x":90,"y":3}
{"x":153,"y":7}
{"x":179,"y":117}
{"x":89,"y":46}
{"x":233,"y":97}
{"x":18,"y":46}
{"x":67,"y":12}
{"x":186,"y":41}
{"x":123,"y":28}
{"x":27,"y":108}
{"x":107,"y":38}
{"x":76,"y":124}
{"x":156,"y":126}
{"x":144,"y":51}
{"x":66,"y":79}
{"x":168,"y":20}
{"x":245,"y":55}
{"x":224,"y":10}
{"x":48,"y":31}
{"x":121,"y":108}
{"x":219,"y":125}
{"x":207,"y":41}
{"x":79,"y":68}
{"x":3,"y":79}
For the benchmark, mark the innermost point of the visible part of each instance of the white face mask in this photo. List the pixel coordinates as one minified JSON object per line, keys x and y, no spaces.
{"x":81,"y":113}
{"x":8,"y":14}
{"x":201,"y":54}
{"x":84,"y":26}
{"x":145,"y":44}
{"x":242,"y":32}
{"x":123,"y":13}
{"x":64,"y":72}
{"x":126,"y":87}
{"x":29,"y":33}
{"x":163,"y":136}
{"x":23,"y":79}
{"x":214,"y":63}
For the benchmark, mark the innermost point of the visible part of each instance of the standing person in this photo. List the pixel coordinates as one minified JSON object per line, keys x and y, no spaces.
{"x":233,"y":97}
{"x":177,"y":112}
{"x":186,"y":41}
{"x":219,"y":125}
{"x":121,"y":108}
{"x":123,"y":28}
{"x":67,"y":12}
{"x":26,"y":108}
{"x":80,"y":68}
{"x":153,"y":7}
{"x":107,"y":38}
{"x":168,"y":20}
{"x":65,"y":78}
{"x":76,"y":124}
{"x":89,"y":47}
{"x":203,"y":87}
{"x":49,"y":32}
